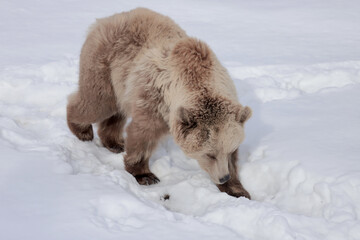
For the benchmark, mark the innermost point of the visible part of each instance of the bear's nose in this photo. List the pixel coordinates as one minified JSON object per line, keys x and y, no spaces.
{"x":224,"y":179}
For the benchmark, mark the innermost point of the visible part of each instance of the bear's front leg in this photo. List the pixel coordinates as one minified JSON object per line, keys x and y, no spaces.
{"x":233,"y":187}
{"x":143,"y":134}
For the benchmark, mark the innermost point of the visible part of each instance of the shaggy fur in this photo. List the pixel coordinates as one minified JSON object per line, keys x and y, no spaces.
{"x":142,"y":65}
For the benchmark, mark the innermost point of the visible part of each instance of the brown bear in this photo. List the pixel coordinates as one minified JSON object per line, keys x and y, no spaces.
{"x":142,"y":65}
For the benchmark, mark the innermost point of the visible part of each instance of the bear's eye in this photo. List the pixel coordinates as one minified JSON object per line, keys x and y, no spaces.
{"x":187,"y":127}
{"x":210,"y":156}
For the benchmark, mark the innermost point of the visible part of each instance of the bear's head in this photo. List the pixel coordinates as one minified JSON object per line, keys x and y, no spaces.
{"x":206,"y":122}
{"x":211,"y":132}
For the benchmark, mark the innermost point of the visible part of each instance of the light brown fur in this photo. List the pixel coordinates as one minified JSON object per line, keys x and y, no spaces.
{"x":142,"y":65}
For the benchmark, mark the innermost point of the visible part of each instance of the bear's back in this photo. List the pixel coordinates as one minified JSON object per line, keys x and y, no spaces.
{"x":125,"y":34}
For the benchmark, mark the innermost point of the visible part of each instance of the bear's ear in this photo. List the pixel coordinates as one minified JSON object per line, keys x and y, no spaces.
{"x":243,"y":114}
{"x":186,"y":119}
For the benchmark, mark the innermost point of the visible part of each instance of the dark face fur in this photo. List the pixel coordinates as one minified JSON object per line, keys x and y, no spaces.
{"x":211,"y":142}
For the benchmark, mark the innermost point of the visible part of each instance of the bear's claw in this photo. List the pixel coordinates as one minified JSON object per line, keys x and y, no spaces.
{"x":240,"y":194}
{"x":147,"y":179}
{"x":234,"y":189}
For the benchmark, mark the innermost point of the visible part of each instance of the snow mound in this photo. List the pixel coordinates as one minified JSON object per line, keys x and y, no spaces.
{"x":288,"y":82}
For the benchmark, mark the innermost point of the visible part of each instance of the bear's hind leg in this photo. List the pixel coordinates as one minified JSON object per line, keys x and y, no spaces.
{"x":110,"y":132}
{"x":76,"y":118}
{"x":85,"y":109}
{"x":84,"y":132}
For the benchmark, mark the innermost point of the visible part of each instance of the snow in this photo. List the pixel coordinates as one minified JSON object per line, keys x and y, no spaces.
{"x":296,"y":64}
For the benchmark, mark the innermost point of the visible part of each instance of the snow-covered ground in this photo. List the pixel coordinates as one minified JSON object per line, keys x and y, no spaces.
{"x":296,"y":63}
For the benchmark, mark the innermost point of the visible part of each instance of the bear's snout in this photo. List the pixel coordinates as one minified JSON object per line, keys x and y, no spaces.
{"x":224,"y":179}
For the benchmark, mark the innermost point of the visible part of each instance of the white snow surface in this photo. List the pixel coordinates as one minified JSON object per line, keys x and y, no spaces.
{"x":295,"y":63}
